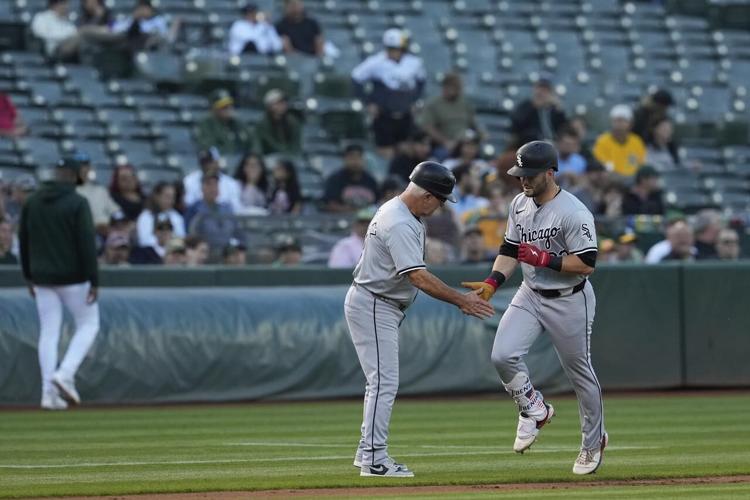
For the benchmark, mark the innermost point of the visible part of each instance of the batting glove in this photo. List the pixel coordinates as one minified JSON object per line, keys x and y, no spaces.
{"x":488,"y":289}
{"x":533,"y":255}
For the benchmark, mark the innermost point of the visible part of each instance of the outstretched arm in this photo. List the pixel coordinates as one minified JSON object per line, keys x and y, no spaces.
{"x":470,"y":303}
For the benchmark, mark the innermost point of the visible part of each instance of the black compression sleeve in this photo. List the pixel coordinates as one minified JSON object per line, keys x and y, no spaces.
{"x":588,"y":258}
{"x":508,"y":249}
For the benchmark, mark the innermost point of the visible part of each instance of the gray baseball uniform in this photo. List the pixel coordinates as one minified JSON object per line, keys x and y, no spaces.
{"x":562,"y":226}
{"x":374,"y":309}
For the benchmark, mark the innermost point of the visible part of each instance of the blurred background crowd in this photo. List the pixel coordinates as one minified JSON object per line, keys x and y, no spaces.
{"x":268,"y":133}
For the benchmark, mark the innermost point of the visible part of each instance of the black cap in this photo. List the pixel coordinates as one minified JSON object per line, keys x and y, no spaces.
{"x":162,"y":221}
{"x":435,"y":178}
{"x":533,"y":158}
{"x":662,"y":97}
{"x":233,"y":245}
{"x":209,"y":155}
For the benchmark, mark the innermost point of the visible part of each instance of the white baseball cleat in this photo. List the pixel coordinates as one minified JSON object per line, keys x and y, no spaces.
{"x":67,"y":389}
{"x":389,"y":468}
{"x":51,"y":400}
{"x":528,"y":429}
{"x":588,"y":461}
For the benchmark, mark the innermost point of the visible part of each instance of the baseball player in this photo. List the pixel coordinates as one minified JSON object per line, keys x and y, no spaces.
{"x":386,"y":278}
{"x":552,"y":235}
{"x":58,"y":257}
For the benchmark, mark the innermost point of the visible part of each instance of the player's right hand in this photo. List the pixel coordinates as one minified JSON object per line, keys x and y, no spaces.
{"x":476,"y":306}
{"x":486,"y":290}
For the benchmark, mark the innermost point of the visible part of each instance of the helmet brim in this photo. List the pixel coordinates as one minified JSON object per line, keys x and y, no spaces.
{"x":517,"y":171}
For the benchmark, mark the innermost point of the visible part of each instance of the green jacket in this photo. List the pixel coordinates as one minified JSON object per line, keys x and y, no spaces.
{"x":232,"y":137}
{"x":285,"y":137}
{"x":56,"y":234}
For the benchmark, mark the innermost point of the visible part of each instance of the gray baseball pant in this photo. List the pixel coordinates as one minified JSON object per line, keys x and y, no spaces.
{"x":568,"y":320}
{"x":373,"y":326}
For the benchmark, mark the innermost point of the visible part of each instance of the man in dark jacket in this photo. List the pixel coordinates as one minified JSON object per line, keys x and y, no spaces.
{"x":58,"y":258}
{"x":540,"y":117}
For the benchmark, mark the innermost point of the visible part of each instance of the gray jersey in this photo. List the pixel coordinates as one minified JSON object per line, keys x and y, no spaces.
{"x":562,"y":226}
{"x":394,"y":246}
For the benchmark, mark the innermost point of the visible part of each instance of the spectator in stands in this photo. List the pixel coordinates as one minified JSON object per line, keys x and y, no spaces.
{"x":119,"y":223}
{"x":285,"y":196}
{"x":707,"y":225}
{"x":54,"y":27}
{"x":210,"y":164}
{"x":570,"y":161}
{"x":661,"y":151}
{"x":472,"y":247}
{"x":625,"y":249}
{"x":20,"y":189}
{"x":661,"y":249}
{"x":11,"y":123}
{"x":156,"y":249}
{"x":437,"y":252}
{"x":125,"y":189}
{"x":397,"y":79}
{"x":253,"y":34}
{"x":540,"y":117}
{"x":176,"y":253}
{"x":727,"y":245}
{"x":467,"y":152}
{"x":346,"y":252}
{"x":95,"y":13}
{"x":161,"y":203}
{"x":116,"y":250}
{"x":234,"y":253}
{"x":350,"y":187}
{"x":146,"y":29}
{"x":681,"y":239}
{"x":467,"y":191}
{"x":447,"y":116}
{"x":101,"y":203}
{"x":300,"y":32}
{"x":645,"y":196}
{"x":652,"y":109}
{"x":415,"y":150}
{"x":6,"y":243}
{"x":222,"y":129}
{"x":391,"y":187}
{"x":444,"y":225}
{"x":580,"y":126}
{"x":209,"y":218}
{"x":288,"y":251}
{"x":251,"y":174}
{"x":196,"y":251}
{"x":279,"y":131}
{"x":589,"y":188}
{"x":620,"y":150}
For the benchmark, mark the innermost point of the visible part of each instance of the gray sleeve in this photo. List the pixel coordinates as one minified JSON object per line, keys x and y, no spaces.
{"x":405,"y":244}
{"x":580,"y":234}
{"x":511,"y":231}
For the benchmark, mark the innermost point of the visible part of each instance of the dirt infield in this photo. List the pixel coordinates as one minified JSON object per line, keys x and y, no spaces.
{"x":424,"y":490}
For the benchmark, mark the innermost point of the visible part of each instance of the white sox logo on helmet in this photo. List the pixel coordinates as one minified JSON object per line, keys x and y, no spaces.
{"x":518,"y":160}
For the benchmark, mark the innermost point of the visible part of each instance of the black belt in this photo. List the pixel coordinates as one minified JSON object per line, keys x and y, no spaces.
{"x":563,"y":292}
{"x":393,"y":302}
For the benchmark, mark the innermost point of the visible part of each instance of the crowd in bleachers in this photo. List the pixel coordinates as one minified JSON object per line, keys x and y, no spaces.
{"x":220,"y":175}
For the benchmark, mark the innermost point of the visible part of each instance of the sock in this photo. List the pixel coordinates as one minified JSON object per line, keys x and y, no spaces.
{"x":530,"y":402}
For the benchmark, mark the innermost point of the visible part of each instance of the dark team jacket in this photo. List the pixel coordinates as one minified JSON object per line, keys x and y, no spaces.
{"x":56,"y":236}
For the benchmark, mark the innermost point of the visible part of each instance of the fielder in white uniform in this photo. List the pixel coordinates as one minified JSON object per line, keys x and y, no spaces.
{"x":386,"y":279}
{"x":58,"y":257}
{"x":552,"y":234}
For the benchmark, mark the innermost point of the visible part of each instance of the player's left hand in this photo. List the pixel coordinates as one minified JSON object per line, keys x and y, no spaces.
{"x":533,"y":255}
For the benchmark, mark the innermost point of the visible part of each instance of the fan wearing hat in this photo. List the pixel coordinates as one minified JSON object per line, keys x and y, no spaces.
{"x":620,"y":150}
{"x":58,"y":259}
{"x":234,"y":253}
{"x":397,"y":79}
{"x":252,"y":33}
{"x":645,"y":196}
{"x":20,"y":189}
{"x":222,"y":129}
{"x":279,"y":131}
{"x":653,"y":107}
{"x":209,"y":218}
{"x":154,"y":253}
{"x":346,"y":252}
{"x":288,"y":251}
{"x":210,"y":161}
{"x":116,"y":250}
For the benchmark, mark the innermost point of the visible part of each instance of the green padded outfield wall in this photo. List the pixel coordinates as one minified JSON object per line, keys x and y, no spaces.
{"x":717,"y":324}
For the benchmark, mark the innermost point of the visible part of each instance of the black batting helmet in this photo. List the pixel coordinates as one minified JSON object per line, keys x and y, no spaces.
{"x":534,"y":158}
{"x":435,"y":178}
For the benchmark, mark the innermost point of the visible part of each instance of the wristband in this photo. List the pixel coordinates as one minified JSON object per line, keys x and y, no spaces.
{"x":555,"y":263}
{"x":495,"y":279}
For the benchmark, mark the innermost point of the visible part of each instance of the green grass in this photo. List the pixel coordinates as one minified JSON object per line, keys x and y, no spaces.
{"x":309,"y":445}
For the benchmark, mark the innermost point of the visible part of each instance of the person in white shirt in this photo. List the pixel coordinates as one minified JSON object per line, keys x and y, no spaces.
{"x":253,"y":34}
{"x":346,"y":252}
{"x":162,"y":201}
{"x":230,"y":190}
{"x":55,"y":29}
{"x":101,"y":203}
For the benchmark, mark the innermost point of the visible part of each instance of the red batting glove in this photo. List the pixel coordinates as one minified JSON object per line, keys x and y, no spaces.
{"x":533,"y":255}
